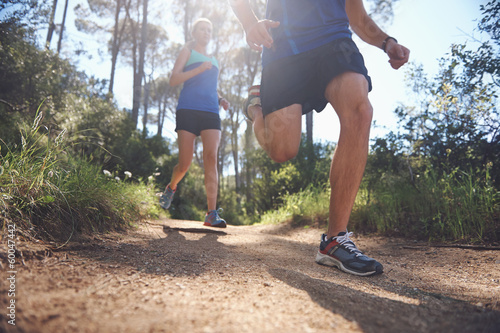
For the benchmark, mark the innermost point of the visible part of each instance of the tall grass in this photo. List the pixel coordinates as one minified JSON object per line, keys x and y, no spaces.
{"x":53,"y":196}
{"x":308,"y":207}
{"x":457,"y":206}
{"x":454,"y":206}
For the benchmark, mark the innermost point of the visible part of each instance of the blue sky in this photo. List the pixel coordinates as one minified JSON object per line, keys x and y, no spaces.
{"x":426,"y":27}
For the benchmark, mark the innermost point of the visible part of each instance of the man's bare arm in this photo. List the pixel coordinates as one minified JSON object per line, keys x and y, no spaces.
{"x":370,"y":32}
{"x":257,"y":31}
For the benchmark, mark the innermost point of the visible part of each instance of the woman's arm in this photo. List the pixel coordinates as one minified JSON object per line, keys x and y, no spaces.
{"x":178,"y":75}
{"x":223,"y":102}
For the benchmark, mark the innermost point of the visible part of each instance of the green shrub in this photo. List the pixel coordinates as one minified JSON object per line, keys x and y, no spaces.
{"x":52,"y":195}
{"x":305,"y":208}
{"x":456,"y":206}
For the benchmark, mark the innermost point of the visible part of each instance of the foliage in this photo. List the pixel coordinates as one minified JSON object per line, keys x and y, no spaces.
{"x":455,"y":206}
{"x":29,"y":75}
{"x":310,"y":167}
{"x":24,"y":12}
{"x":309,"y":207}
{"x":51,"y":195}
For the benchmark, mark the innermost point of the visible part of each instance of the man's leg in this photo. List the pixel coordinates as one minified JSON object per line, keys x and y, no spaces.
{"x":348,"y":94}
{"x":279,"y":133}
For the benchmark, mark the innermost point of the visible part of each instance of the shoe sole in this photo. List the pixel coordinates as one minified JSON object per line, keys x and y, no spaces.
{"x":326,"y":260}
{"x":220,"y":225}
{"x":254,"y":101}
{"x":164,"y":205}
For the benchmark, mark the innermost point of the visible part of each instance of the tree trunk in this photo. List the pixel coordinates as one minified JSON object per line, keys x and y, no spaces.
{"x":140,"y":70}
{"x":114,"y":47}
{"x":249,"y":171}
{"x":162,"y":109}
{"x":146,"y":107}
{"x":235,"y":149}
{"x":51,"y":25}
{"x":309,"y":127}
{"x":62,"y":27}
{"x":136,"y":80}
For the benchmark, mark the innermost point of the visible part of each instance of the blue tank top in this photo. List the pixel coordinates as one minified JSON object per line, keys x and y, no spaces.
{"x":304,"y":25}
{"x":200,"y":92}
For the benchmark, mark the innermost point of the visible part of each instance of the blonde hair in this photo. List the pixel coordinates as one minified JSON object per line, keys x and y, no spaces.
{"x":198,"y":21}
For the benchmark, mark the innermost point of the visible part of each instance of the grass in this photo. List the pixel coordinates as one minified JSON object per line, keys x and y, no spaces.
{"x":455,"y":207}
{"x":306,"y":208}
{"x":51,"y":195}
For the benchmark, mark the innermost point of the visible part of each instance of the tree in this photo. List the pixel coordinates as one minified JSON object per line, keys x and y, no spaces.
{"x":457,"y":124}
{"x":103,"y":10}
{"x":118,"y":30}
{"x":52,"y":26}
{"x":61,"y":32}
{"x":139,"y":69}
{"x":164,"y":97}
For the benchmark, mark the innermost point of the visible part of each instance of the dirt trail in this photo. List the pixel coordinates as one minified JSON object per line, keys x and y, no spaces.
{"x":178,"y":276}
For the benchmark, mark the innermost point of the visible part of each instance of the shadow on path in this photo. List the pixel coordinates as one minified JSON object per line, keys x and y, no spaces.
{"x":380,"y":314}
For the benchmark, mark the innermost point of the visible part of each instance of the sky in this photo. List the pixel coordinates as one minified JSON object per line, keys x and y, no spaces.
{"x":427,"y":27}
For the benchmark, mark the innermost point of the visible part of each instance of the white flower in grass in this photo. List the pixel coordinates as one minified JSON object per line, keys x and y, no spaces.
{"x":156,"y":174}
{"x":106,"y":173}
{"x":150,"y":178}
{"x":50,"y":174}
{"x":117,"y":178}
{"x":128,"y":174}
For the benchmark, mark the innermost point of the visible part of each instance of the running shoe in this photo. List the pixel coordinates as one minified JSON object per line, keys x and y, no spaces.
{"x":212,"y":219}
{"x":252,"y":100}
{"x":166,"y":198}
{"x":340,"y":251}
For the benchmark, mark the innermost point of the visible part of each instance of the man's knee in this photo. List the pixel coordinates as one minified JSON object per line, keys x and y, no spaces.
{"x":282,"y":155}
{"x":283,"y":133}
{"x":364,"y":112}
{"x":359,"y":116}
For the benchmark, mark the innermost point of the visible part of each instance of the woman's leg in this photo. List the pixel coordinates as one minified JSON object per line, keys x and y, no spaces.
{"x":211,"y":139}
{"x":185,"y":141}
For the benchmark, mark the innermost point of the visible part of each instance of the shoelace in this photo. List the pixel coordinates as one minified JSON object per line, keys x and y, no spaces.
{"x":348,"y":243}
{"x":216,"y":213}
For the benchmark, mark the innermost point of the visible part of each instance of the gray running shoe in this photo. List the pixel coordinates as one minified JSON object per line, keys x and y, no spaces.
{"x":166,"y":198}
{"x":340,"y":251}
{"x":252,"y":100}
{"x":212,"y":219}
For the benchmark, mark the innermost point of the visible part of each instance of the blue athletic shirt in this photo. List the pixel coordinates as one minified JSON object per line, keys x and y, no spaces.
{"x":200,"y":92}
{"x":304,"y":25}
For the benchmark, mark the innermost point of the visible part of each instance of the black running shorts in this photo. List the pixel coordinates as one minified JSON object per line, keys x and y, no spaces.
{"x":303,"y":78}
{"x":195,"y":121}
